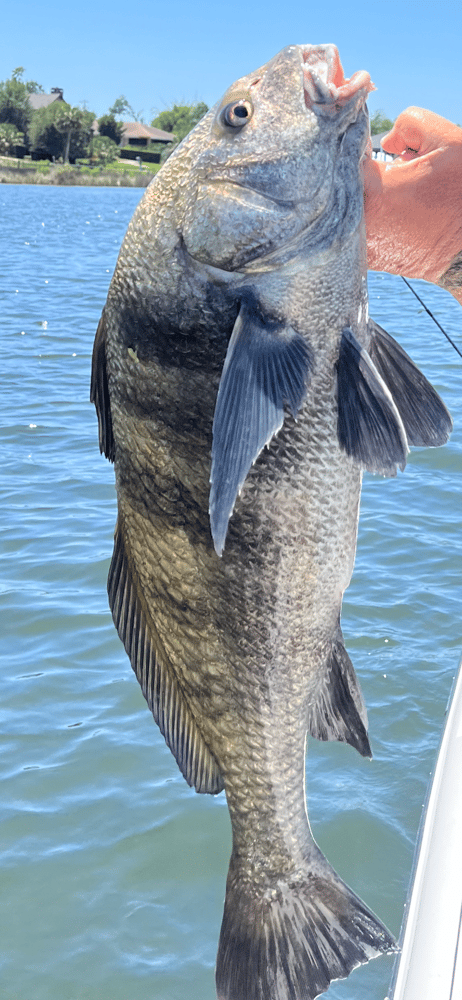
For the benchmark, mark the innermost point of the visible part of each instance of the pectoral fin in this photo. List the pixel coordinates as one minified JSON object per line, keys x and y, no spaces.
{"x":267,"y":365}
{"x":426,"y":420}
{"x":370,"y":428}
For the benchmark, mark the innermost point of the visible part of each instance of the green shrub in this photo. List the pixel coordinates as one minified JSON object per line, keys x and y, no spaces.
{"x":103,"y":149}
{"x":10,"y":138}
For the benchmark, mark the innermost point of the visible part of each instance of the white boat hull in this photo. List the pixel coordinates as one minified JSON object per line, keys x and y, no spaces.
{"x":430,"y":963}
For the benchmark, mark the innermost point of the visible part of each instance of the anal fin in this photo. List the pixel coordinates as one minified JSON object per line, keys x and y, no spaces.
{"x":339,"y":712}
{"x":158,"y":681}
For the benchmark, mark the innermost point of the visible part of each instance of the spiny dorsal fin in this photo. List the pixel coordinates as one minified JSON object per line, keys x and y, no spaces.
{"x":99,"y":391}
{"x":267,"y":365}
{"x":426,"y":420}
{"x":370,"y":428}
{"x":340,"y":712}
{"x":158,"y":682}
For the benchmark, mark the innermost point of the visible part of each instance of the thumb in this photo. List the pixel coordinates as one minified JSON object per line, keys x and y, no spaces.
{"x":417,"y":131}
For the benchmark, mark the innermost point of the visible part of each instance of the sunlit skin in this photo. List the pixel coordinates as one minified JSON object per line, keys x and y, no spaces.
{"x":414,"y":204}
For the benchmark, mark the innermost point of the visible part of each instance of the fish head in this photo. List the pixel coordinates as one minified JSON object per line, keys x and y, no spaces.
{"x":277,"y":156}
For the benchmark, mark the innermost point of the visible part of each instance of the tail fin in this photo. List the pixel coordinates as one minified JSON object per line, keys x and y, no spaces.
{"x":288,"y":941}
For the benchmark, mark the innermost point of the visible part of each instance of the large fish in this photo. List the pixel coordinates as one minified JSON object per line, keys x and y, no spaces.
{"x":240,"y":390}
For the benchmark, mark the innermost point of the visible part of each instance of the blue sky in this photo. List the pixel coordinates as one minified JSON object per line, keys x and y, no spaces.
{"x":183,"y":51}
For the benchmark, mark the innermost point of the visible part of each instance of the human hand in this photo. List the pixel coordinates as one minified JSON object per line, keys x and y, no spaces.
{"x":414,"y":204}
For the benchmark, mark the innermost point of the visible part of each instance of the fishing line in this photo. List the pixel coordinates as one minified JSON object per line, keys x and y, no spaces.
{"x":432,"y":316}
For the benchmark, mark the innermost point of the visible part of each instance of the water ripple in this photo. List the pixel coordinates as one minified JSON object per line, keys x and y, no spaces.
{"x":113,"y":870}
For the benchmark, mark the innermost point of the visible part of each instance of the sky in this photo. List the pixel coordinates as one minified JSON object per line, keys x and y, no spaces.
{"x":184,"y":51}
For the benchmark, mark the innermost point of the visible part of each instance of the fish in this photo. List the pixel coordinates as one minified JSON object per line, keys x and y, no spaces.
{"x":241,"y":389}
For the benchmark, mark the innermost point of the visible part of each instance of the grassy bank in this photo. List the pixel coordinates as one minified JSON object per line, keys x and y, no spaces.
{"x":120,"y":174}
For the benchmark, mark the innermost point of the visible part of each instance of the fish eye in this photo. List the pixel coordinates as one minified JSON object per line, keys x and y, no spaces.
{"x":237,"y":113}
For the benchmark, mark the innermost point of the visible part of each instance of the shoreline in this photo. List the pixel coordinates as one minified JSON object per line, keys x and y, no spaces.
{"x":61,"y":175}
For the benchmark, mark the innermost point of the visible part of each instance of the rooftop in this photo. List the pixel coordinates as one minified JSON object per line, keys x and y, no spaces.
{"x":137,"y":130}
{"x":38,"y":101}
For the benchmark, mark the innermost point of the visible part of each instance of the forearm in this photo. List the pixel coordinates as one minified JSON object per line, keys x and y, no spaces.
{"x":414,"y":204}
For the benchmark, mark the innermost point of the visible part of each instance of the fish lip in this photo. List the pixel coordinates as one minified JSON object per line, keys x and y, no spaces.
{"x":233,"y":181}
{"x":325,"y":85}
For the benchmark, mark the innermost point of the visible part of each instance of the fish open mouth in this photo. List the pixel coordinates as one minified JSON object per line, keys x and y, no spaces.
{"x":324,"y":79}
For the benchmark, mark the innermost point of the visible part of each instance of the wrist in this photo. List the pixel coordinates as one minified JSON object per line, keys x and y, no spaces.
{"x":451,"y":280}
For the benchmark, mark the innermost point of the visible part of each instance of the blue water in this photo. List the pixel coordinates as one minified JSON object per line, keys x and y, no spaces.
{"x":112,"y":869}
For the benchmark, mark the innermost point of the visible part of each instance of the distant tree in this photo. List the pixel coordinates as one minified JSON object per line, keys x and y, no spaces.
{"x":15,"y":108}
{"x":180,"y":119}
{"x":81,"y":134}
{"x":9,"y":138}
{"x":60,"y":131}
{"x":107,"y":126}
{"x":46,"y":141}
{"x":379,"y":123}
{"x":73,"y":123}
{"x":33,"y":87}
{"x":121,"y":107}
{"x":103,"y":149}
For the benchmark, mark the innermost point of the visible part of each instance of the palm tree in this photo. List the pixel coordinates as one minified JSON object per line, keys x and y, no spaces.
{"x":68,"y":121}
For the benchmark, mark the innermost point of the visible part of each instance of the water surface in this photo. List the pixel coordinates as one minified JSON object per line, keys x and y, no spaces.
{"x":112,"y":869}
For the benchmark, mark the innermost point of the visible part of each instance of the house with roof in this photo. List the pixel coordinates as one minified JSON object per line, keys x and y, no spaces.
{"x":38,"y":101}
{"x":377,"y":152}
{"x":137,"y":140}
{"x":140,"y":135}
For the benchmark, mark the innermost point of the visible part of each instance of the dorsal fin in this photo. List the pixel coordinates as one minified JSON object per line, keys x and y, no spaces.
{"x":426,"y":420}
{"x":158,"y":681}
{"x":99,"y":391}
{"x":370,"y":428}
